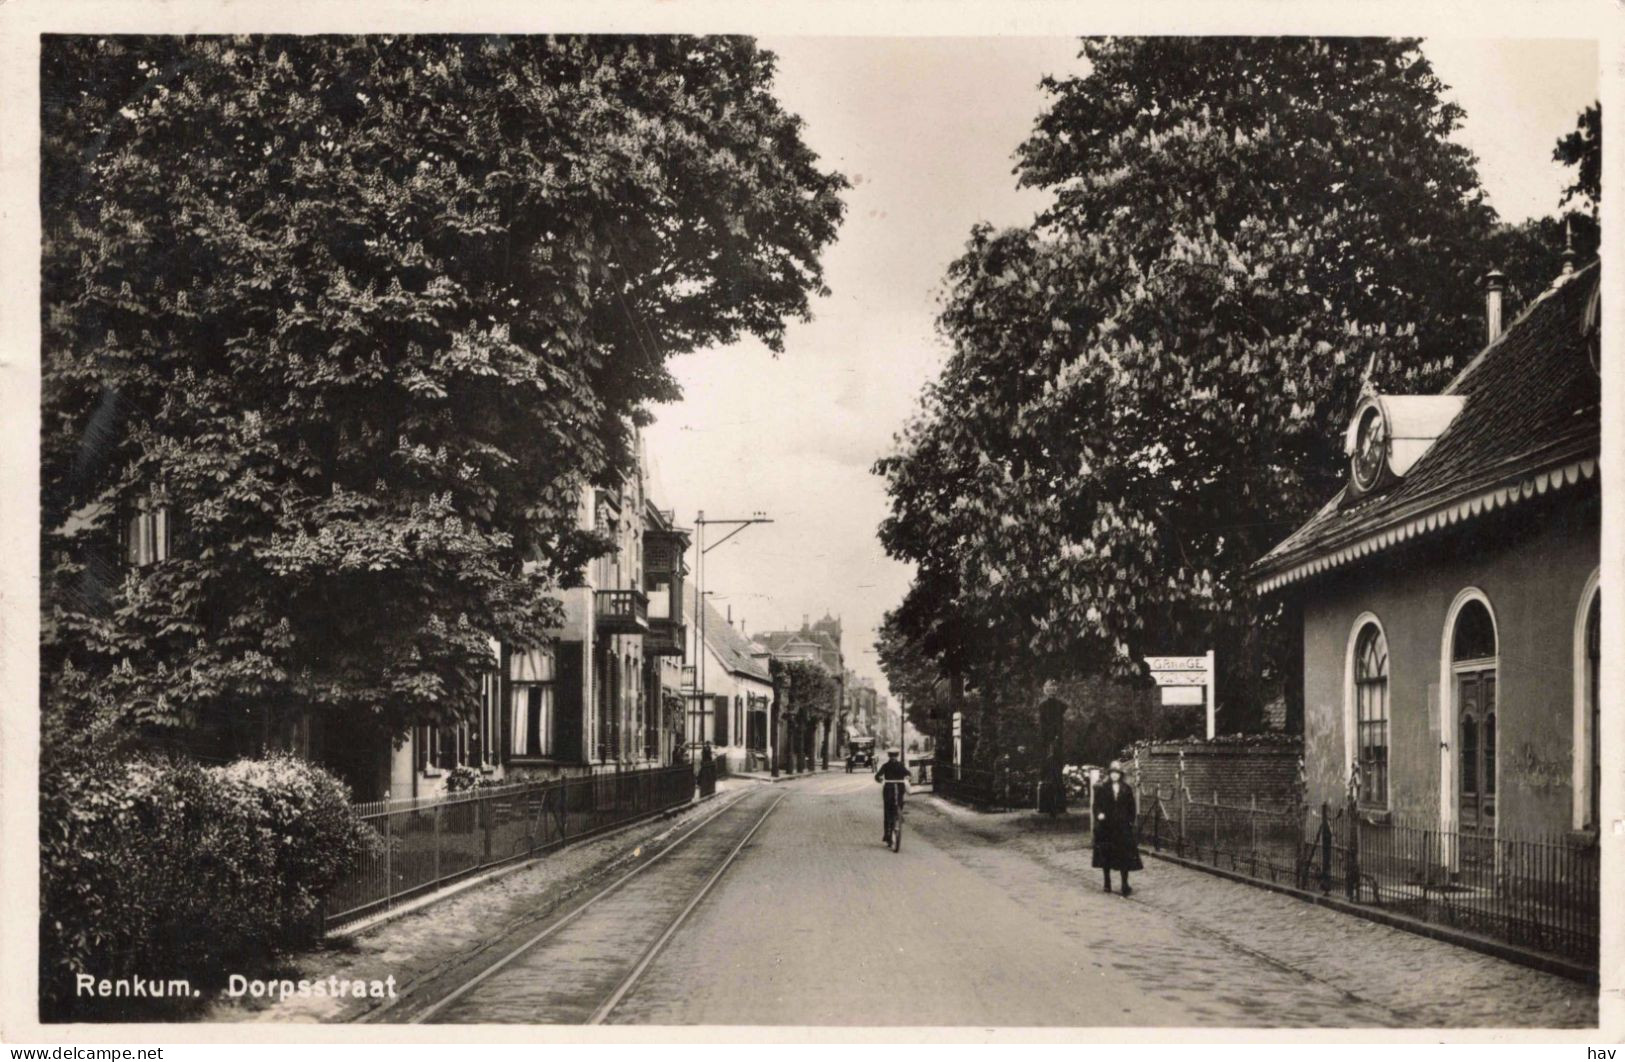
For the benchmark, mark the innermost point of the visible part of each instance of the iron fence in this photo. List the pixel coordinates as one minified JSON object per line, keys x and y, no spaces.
{"x":421,"y":844}
{"x":1258,"y":840}
{"x":1541,"y":893}
{"x":986,"y":786}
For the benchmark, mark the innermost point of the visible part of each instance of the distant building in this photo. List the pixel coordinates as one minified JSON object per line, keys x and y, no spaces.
{"x":819,"y":643}
{"x":862,"y":711}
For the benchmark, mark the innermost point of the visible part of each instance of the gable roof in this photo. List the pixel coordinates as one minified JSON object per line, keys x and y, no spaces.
{"x":732,"y":648}
{"x":1532,"y":422}
{"x":782,"y":641}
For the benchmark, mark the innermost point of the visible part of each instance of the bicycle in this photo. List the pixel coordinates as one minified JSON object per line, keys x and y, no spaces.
{"x":895,"y":835}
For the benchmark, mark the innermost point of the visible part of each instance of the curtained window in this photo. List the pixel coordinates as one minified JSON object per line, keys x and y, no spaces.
{"x":531,"y":677}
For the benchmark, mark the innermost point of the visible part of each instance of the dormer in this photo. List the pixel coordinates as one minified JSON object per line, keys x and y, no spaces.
{"x":1389,"y":433}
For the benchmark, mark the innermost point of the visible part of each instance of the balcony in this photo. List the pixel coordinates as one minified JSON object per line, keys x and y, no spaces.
{"x":622,"y":611}
{"x":665,"y":638}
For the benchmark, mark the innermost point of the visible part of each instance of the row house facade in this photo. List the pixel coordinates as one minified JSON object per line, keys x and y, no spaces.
{"x":605,"y":691}
{"x":730,"y":691}
{"x":1449,"y":595}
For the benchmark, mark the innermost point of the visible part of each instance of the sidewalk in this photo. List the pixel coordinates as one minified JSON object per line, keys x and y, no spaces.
{"x":1430,"y":983}
{"x":420,"y":943}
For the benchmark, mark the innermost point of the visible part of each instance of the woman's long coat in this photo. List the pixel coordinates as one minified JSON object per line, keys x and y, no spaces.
{"x":1115,"y":845}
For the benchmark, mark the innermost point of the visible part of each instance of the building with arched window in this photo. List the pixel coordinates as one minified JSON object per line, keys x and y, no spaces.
{"x":1448,"y":595}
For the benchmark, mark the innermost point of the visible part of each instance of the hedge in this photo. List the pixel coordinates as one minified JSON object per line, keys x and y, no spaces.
{"x":158,"y":869}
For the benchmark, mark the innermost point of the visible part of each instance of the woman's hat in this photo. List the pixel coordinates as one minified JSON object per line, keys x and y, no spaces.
{"x":1117,"y":765}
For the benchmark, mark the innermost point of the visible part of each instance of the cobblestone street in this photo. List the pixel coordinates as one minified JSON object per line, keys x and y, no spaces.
{"x":1418,"y":981}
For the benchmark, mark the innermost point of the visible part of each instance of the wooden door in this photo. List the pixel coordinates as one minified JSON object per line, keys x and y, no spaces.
{"x":1476,"y":737}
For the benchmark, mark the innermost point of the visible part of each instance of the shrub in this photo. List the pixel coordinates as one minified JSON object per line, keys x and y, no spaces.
{"x":1077,"y":779}
{"x":461,"y":779}
{"x":163,"y":869}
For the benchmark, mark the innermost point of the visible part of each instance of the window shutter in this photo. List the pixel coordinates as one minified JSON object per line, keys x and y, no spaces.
{"x":568,"y":708}
{"x":722,"y":711}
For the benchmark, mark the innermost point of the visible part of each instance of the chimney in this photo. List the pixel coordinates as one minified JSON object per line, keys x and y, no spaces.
{"x":1568,"y":248}
{"x":730,"y":614}
{"x":1494,"y":285}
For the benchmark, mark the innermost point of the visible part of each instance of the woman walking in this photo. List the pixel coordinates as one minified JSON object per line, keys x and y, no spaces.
{"x":1114,"y":826}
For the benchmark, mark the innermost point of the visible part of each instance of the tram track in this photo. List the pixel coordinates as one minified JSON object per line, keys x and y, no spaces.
{"x":580,"y":966}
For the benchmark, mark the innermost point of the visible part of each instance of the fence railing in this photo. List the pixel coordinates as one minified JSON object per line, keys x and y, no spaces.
{"x":989,"y":787}
{"x":422,"y":844}
{"x":1251,"y":838}
{"x":1541,"y":893}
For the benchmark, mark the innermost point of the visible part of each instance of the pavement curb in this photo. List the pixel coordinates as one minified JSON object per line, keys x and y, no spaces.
{"x":1474,"y":942}
{"x":752,"y":777}
{"x":429,"y":899}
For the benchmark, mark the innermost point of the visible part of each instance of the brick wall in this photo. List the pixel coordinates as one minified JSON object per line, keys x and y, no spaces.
{"x":1236,"y":771}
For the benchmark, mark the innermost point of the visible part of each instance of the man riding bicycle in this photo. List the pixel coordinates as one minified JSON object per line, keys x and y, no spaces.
{"x":896,"y":773}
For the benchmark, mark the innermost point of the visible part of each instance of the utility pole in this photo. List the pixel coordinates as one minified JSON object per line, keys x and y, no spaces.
{"x":701,"y":549}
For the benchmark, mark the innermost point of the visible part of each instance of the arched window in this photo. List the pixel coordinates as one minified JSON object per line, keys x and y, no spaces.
{"x":1475,"y":634}
{"x":1587,"y":776}
{"x":1473,"y":674}
{"x":1592,"y":670}
{"x":1371,"y":714}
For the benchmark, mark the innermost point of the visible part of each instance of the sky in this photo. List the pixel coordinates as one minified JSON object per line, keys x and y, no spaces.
{"x":926,"y":130}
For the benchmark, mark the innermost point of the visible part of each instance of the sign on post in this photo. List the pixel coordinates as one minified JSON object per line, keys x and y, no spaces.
{"x":1186,"y":680}
{"x":1178,"y":663}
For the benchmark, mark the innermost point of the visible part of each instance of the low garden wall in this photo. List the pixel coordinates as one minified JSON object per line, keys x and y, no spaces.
{"x":1238,"y":769}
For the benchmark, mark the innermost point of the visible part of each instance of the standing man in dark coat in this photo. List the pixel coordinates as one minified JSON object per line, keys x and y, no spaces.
{"x":1115,"y":845}
{"x":708,"y":771}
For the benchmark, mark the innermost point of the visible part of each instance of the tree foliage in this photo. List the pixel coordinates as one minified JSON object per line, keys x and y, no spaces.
{"x":1582,"y":150}
{"x":805,"y":688}
{"x":366,"y":314}
{"x":913,"y":676}
{"x":1147,"y":388}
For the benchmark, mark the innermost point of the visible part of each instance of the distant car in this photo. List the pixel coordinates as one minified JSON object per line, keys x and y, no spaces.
{"x":860,"y":752}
